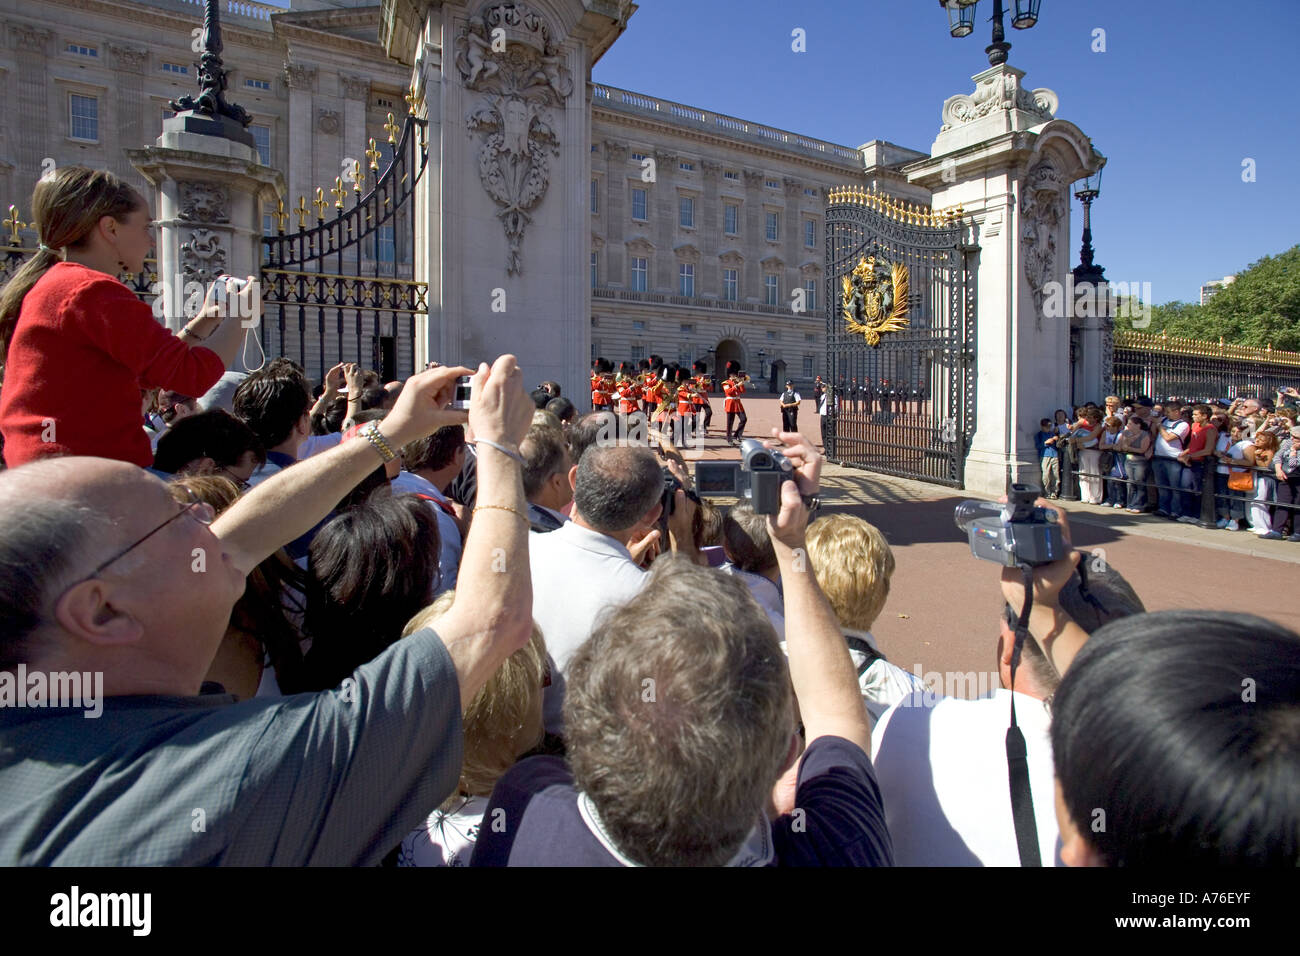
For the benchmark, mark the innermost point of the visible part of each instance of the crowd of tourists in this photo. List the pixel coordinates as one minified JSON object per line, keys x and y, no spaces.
{"x":1168,"y":457}
{"x":346,"y":622}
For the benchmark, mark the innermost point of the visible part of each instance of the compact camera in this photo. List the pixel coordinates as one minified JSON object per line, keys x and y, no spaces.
{"x":1020,"y":534}
{"x":757,"y":477}
{"x":461,"y":400}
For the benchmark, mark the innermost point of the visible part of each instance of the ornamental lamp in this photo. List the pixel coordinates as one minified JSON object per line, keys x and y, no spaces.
{"x":1091,"y":187}
{"x":961,"y":16}
{"x":1026,"y":14}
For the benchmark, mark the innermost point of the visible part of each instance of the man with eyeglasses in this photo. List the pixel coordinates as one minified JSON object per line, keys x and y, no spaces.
{"x":102,"y":571}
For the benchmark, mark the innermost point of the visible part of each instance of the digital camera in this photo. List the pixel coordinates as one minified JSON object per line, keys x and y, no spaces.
{"x":757,"y":477}
{"x":1020,"y":534}
{"x":461,"y":400}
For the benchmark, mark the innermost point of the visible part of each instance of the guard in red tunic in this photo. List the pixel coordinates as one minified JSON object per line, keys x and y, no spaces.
{"x":702,"y":393}
{"x":733,"y":388}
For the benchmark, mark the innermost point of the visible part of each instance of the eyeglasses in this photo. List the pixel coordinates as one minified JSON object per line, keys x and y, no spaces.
{"x":201,"y":510}
{"x":240,"y":483}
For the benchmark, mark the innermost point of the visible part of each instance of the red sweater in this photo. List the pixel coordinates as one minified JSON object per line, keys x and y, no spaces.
{"x":82,"y":349}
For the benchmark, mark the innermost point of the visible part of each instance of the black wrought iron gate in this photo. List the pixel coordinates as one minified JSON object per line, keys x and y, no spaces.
{"x":906,"y":405}
{"x":342,"y":290}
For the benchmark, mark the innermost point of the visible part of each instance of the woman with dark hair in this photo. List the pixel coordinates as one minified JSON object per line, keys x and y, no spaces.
{"x":1175,"y":744}
{"x":371,"y":568}
{"x":77,"y":344}
{"x":1087,"y":438}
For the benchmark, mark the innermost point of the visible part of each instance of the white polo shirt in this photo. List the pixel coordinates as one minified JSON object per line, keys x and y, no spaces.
{"x":577,"y":575}
{"x":943,"y":774}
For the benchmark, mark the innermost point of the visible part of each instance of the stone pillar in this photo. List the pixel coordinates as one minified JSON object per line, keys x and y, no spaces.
{"x":663,"y":214}
{"x":301,"y":79}
{"x":32,"y":104}
{"x":130,"y":121}
{"x":509,"y":175}
{"x":709,"y":279}
{"x":208,"y":206}
{"x":1003,"y":156}
{"x":616,"y":199}
{"x":753,"y":237}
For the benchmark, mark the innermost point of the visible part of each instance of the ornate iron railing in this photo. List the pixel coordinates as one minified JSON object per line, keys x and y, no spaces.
{"x":323,"y":288}
{"x":1164,"y":366}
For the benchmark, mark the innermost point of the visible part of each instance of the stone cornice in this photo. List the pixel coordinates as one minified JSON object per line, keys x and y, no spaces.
{"x":846,"y":173}
{"x":288,"y":31}
{"x":159,"y":18}
{"x":26,"y":36}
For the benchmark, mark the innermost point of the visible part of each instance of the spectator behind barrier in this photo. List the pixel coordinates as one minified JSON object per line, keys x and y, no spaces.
{"x":371,"y":569}
{"x":210,"y":443}
{"x":96,"y":561}
{"x":77,"y":345}
{"x":1181,"y":730}
{"x":502,"y":723}
{"x":680,"y":725}
{"x":276,"y":404}
{"x":942,"y":761}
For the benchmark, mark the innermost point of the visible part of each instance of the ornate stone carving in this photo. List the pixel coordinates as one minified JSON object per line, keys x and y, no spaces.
{"x":793,"y":187}
{"x":354,"y":87}
{"x":202,"y":257}
{"x":732,"y":258}
{"x":203,"y":202}
{"x":754,"y":178}
{"x":24,"y":37}
{"x":128,"y":60}
{"x":665,"y":159}
{"x":998,"y":89}
{"x":327,"y":121}
{"x":640,"y":246}
{"x":615,"y":151}
{"x":710,"y":167}
{"x":1107,"y":355}
{"x":687,"y":253}
{"x":507,"y":54}
{"x":299,"y":76}
{"x":1042,"y":209}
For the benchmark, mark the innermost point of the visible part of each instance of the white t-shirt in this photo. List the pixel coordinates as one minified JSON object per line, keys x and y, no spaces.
{"x":943,"y":774}
{"x":1166,"y":449}
{"x":445,"y":839}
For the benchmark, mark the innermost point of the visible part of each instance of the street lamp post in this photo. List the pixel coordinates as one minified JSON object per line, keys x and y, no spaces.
{"x":961,"y":23}
{"x":209,"y":113}
{"x":1087,"y":270}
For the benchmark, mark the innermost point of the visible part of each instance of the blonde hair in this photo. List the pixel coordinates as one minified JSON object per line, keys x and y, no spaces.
{"x":497,"y":717}
{"x":66,"y":208}
{"x":853,"y":564}
{"x":217,"y":490}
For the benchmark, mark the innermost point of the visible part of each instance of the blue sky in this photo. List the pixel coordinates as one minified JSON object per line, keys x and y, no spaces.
{"x":1174,"y":123}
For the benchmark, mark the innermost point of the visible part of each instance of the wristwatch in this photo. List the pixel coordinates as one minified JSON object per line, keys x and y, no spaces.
{"x":812,"y":503}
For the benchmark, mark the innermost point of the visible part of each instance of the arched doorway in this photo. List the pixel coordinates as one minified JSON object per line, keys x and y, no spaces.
{"x":729,"y":350}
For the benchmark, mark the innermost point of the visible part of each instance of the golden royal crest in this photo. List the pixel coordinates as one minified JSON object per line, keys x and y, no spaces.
{"x":875,"y":299}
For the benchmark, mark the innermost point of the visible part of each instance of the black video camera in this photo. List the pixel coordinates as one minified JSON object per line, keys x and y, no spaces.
{"x":757,"y":478}
{"x":1021,"y":534}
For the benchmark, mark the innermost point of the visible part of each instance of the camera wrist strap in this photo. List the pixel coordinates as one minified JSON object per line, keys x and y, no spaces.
{"x":1022,"y":804}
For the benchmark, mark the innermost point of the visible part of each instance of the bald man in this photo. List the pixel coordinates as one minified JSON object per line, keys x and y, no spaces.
{"x":102,"y":573}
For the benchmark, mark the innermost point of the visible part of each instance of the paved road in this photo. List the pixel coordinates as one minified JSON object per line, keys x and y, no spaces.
{"x":944,"y":604}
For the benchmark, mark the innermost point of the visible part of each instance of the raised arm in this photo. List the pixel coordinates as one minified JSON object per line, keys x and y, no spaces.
{"x":825,"y":680}
{"x":293,"y":501}
{"x":492,"y":615}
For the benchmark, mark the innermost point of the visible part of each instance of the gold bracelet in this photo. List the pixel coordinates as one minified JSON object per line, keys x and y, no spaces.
{"x":513,"y":511}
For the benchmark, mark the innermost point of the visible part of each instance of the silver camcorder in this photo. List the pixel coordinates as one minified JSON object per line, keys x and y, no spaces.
{"x":1021,"y":533}
{"x":757,"y":477}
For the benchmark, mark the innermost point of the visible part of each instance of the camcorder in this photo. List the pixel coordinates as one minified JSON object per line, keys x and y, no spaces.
{"x":757,"y":477}
{"x":1021,"y":533}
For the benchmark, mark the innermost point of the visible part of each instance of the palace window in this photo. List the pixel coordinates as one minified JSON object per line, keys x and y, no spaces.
{"x":732,"y":175}
{"x":810,"y":233}
{"x":638,"y":325}
{"x":686,"y":279}
{"x":81,"y":50}
{"x":638,"y":204}
{"x":810,"y":295}
{"x":686,"y":166}
{"x":594,"y":275}
{"x":595,"y":197}
{"x":83,"y":117}
{"x":729,"y":284}
{"x":257,"y":84}
{"x":771,"y":289}
{"x":773,"y":184}
{"x":176,"y":68}
{"x":731,"y":219}
{"x":638,"y":274}
{"x":686,"y":214}
{"x":808,"y":366}
{"x":773,"y":226}
{"x":262,"y":137}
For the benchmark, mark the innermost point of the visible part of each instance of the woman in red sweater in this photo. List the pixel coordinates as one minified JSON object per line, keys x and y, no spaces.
{"x":77,"y":345}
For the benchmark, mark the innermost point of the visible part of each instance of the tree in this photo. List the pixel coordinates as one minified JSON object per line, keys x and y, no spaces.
{"x":1261,"y":308}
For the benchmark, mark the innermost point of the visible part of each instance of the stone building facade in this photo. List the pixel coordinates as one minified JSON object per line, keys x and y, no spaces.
{"x":706,"y":229}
